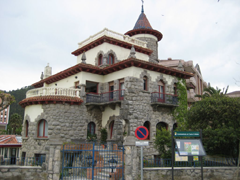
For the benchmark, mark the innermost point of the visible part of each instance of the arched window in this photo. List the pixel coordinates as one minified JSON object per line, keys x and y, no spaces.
{"x":110,"y":59}
{"x":100,"y":59}
{"x":91,"y":128}
{"x":26,"y":128}
{"x":147,"y":125}
{"x":161,"y":91}
{"x":111,"y":125}
{"x":145,"y":81}
{"x":43,"y":129}
{"x":162,"y":125}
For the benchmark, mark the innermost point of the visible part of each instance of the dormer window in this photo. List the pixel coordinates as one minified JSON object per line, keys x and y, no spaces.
{"x":100,"y":59}
{"x":110,"y":59}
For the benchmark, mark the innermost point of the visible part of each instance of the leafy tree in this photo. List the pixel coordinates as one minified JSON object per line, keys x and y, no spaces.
{"x":210,"y":91}
{"x":19,"y":95}
{"x":103,"y":135}
{"x":5,"y":100}
{"x":219,"y":117}
{"x":162,"y":143}
{"x":15,"y":123}
{"x":180,"y":112}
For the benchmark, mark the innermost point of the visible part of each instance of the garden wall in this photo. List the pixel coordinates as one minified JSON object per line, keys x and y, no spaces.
{"x":22,"y":173}
{"x":210,"y":173}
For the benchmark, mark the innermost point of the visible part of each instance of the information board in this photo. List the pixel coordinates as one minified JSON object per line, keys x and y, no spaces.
{"x":190,"y":147}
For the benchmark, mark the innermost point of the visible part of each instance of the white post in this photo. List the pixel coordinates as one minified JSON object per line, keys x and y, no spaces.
{"x":141,"y":163}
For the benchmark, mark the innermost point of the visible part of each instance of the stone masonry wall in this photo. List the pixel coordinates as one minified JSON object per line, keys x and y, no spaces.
{"x":210,"y":173}
{"x":137,"y":109}
{"x":67,"y":122}
{"x":22,"y":173}
{"x":153,"y":45}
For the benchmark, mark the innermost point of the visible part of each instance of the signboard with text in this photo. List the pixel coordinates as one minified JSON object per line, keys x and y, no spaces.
{"x":190,"y":147}
{"x":186,"y":134}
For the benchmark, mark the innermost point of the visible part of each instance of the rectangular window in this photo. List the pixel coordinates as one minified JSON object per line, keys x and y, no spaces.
{"x":40,"y":158}
{"x":111,"y":90}
{"x":91,"y":87}
{"x":6,"y":153}
{"x":76,"y":84}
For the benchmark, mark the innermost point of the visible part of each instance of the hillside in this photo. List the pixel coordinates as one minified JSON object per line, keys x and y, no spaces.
{"x":19,"y":95}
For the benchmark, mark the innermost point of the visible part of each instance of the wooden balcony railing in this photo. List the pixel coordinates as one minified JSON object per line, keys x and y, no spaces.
{"x":110,"y":96}
{"x":164,"y":98}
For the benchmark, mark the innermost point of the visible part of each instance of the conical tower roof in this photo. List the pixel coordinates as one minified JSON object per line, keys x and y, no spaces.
{"x":143,"y":26}
{"x":142,"y":22}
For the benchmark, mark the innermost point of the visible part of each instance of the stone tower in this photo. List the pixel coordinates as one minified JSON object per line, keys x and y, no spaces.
{"x":144,"y":31}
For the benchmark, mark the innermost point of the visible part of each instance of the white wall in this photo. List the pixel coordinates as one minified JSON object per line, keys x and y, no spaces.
{"x":121,"y":53}
{"x":109,"y":112}
{"x":33,"y":111}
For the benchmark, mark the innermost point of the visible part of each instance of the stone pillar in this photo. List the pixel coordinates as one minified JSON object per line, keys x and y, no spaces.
{"x":54,"y":160}
{"x":132,"y":160}
{"x":82,"y":92}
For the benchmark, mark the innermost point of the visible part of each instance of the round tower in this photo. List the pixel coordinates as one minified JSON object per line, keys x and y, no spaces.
{"x":144,"y":31}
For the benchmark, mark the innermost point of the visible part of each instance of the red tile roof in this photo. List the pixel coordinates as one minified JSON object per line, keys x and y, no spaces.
{"x":142,"y":22}
{"x":10,"y":140}
{"x":50,"y":100}
{"x":113,"y":68}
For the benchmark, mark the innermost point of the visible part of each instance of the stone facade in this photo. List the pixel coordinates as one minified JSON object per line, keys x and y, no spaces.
{"x":153,"y":45}
{"x":23,"y":173}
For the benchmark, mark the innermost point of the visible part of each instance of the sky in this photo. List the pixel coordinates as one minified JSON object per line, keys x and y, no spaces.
{"x":34,"y":33}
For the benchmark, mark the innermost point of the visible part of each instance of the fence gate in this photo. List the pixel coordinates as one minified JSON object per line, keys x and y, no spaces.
{"x":92,"y":161}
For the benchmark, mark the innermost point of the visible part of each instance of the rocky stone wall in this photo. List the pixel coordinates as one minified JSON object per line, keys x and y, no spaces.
{"x":153,"y":45}
{"x":137,"y":109}
{"x":67,"y":122}
{"x":210,"y":173}
{"x":22,"y":173}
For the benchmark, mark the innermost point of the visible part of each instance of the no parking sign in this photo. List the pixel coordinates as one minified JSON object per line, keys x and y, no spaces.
{"x":141,"y":133}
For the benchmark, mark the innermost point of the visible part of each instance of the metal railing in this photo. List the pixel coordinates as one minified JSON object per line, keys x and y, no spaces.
{"x":115,"y":35}
{"x":22,"y":161}
{"x":207,"y":162}
{"x":53,"y":91}
{"x":92,"y":161}
{"x":164,"y":98}
{"x":110,"y":96}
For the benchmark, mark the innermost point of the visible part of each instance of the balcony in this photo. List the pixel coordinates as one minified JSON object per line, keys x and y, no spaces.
{"x":191,"y":96}
{"x":53,"y":91}
{"x":162,"y":99}
{"x":115,"y":35}
{"x":105,"y":98}
{"x":191,"y":83}
{"x":52,"y":95}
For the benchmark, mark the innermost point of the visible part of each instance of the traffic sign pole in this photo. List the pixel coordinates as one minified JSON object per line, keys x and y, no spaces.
{"x":141,"y":133}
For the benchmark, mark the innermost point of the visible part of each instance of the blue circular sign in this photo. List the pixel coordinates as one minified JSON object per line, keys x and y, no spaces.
{"x":141,"y":132}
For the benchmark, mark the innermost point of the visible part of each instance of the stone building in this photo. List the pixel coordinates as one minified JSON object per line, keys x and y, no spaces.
{"x":196,"y":84}
{"x":116,"y":84}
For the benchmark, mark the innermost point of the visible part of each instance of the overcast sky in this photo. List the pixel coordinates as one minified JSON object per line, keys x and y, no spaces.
{"x":34,"y":33}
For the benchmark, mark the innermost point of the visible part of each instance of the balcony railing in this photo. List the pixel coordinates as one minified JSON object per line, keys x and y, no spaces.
{"x":163,"y":98}
{"x":110,"y":96}
{"x":115,"y":35}
{"x":53,"y":91}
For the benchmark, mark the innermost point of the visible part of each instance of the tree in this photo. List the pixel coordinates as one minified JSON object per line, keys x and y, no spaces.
{"x":15,"y":123}
{"x":162,"y":143}
{"x":219,"y":117}
{"x":5,"y":100}
{"x":210,"y":91}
